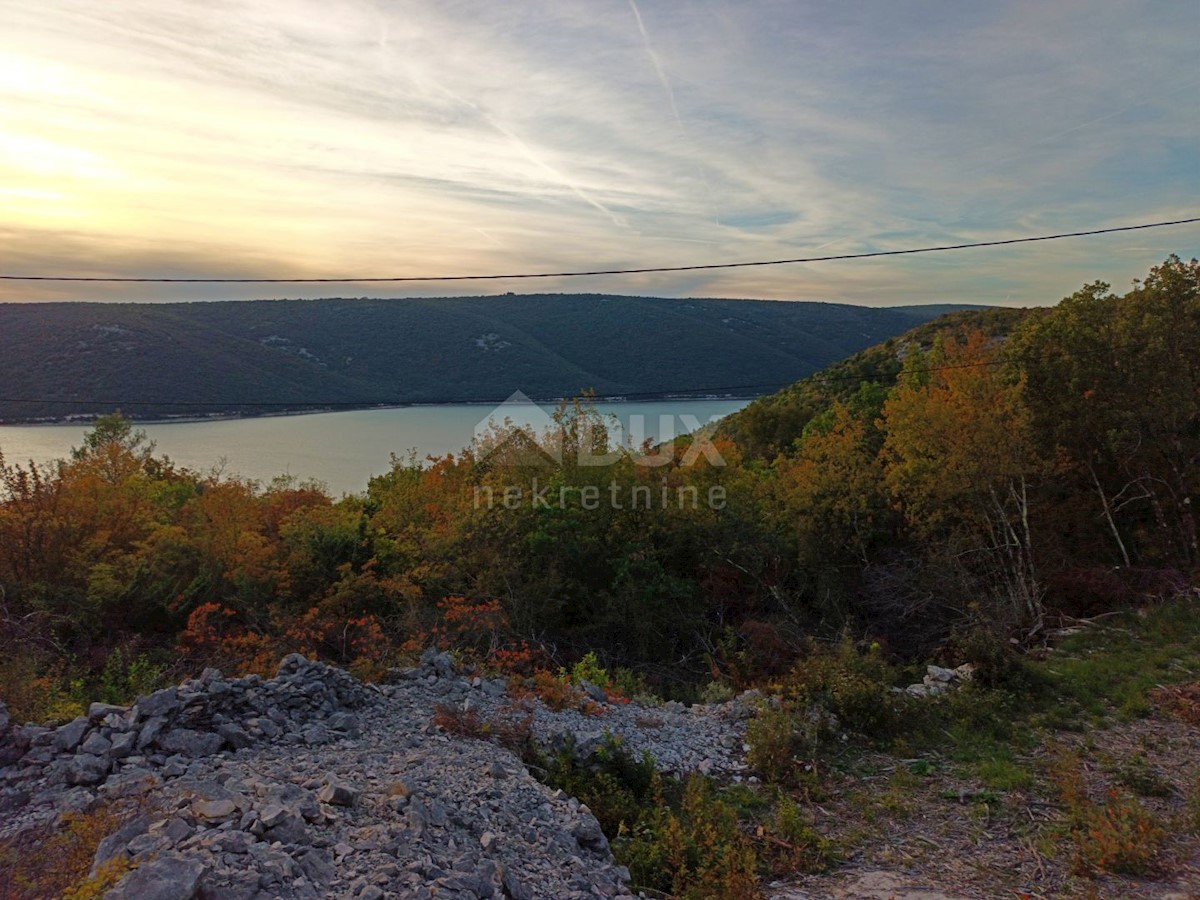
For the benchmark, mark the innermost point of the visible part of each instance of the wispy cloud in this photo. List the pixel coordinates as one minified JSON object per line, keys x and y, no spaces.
{"x":299,"y":136}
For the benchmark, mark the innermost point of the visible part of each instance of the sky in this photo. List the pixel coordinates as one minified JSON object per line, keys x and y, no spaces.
{"x":330,"y":138}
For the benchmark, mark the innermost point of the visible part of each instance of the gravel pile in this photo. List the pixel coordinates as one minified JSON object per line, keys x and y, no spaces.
{"x":312,"y":785}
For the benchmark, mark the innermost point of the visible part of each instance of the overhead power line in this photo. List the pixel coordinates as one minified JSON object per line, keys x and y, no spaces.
{"x":581,"y":274}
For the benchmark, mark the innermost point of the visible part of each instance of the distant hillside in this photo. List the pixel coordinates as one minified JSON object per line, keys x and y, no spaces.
{"x":773,"y":422}
{"x":186,"y":359}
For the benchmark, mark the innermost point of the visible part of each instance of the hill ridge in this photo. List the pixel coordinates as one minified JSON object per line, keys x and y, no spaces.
{"x":160,"y":360}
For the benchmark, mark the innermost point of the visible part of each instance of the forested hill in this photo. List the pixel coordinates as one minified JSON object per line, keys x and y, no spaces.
{"x":772,"y":423}
{"x":186,"y":359}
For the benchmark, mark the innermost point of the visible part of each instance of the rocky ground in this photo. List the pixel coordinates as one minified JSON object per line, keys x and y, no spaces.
{"x":312,"y":784}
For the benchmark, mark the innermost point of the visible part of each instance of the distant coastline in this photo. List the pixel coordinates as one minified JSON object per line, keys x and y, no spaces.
{"x":89,"y":418}
{"x":63,"y":363}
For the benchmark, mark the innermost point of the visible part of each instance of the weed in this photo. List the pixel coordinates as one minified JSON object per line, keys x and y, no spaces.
{"x":773,"y":739}
{"x":1119,"y":836}
{"x":36,"y":694}
{"x":124,"y":679}
{"x":748,"y":802}
{"x":1002,"y":774}
{"x":57,"y":864}
{"x":588,"y":669}
{"x":107,"y":875}
{"x":1192,"y":820}
{"x":1181,"y":701}
{"x":681,"y":839}
{"x":806,"y":851}
{"x":1143,"y":779}
{"x":716,"y":692}
{"x":1115,"y":666}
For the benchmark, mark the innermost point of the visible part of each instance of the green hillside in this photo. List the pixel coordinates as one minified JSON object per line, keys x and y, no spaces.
{"x":772,"y":423}
{"x":177,"y":359}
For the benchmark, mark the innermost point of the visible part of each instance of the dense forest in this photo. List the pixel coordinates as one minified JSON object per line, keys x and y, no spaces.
{"x":251,"y":357}
{"x":980,"y":475}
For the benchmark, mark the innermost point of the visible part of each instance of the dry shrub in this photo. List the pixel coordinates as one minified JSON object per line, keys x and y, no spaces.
{"x":1181,"y":701}
{"x":460,"y":722}
{"x":555,"y":691}
{"x":56,"y":862}
{"x":1121,"y":837}
{"x":515,"y":732}
{"x":1118,"y":836}
{"x":768,"y":651}
{"x":1080,"y":591}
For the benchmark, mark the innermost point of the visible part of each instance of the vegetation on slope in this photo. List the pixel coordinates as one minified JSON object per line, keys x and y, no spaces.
{"x":992,"y":485}
{"x":1007,"y":479}
{"x":773,"y":424}
{"x":178,"y":359}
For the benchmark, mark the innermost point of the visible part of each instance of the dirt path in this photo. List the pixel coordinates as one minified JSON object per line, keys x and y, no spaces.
{"x":924,"y":829}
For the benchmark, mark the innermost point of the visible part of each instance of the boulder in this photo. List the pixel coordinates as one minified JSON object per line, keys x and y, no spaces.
{"x":117,"y":841}
{"x":593,"y":691}
{"x":939,"y":674}
{"x":150,"y":731}
{"x":160,"y":703}
{"x":234,"y":736}
{"x":190,"y":743}
{"x":68,"y":737}
{"x":96,"y":744}
{"x":337,"y":794}
{"x":214,"y":810}
{"x":14,"y":743}
{"x":98,"y":711}
{"x":87,"y":769}
{"x":164,"y":878}
{"x":122,"y":744}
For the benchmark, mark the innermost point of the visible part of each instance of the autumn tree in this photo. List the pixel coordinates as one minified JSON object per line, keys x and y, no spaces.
{"x":959,"y":457}
{"x":833,"y":488}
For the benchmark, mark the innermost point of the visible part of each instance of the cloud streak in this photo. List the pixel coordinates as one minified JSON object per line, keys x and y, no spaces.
{"x":296,"y":136}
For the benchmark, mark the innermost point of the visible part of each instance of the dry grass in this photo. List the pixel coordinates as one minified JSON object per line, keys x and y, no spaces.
{"x":54,"y":863}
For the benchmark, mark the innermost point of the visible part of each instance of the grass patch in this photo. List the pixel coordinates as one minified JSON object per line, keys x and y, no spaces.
{"x":1139,"y":776}
{"x":1002,"y":774}
{"x":1114,"y":665}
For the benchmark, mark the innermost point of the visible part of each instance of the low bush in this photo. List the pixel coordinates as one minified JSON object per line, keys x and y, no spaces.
{"x":1118,"y":836}
{"x":57,"y":863}
{"x":675,"y":838}
{"x":693,"y":850}
{"x":797,"y":847}
{"x":852,"y":685}
{"x":774,"y":739}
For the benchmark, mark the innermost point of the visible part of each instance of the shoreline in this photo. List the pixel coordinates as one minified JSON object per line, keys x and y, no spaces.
{"x":190,"y":419}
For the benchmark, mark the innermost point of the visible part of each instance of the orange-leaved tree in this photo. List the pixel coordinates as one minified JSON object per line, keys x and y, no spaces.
{"x":959,"y":459}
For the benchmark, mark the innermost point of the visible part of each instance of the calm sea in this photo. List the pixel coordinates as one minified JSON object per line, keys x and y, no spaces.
{"x":344,"y":449}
